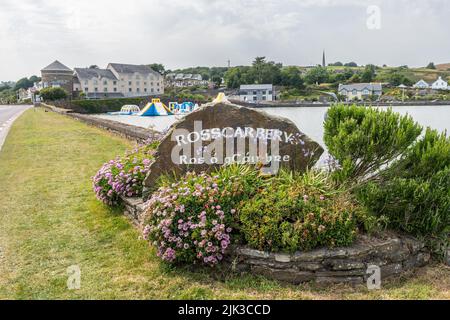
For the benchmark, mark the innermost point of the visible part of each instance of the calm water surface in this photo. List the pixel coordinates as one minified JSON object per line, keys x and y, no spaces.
{"x":308,"y":120}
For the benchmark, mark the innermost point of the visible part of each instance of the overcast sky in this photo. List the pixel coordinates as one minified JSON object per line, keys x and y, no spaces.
{"x":184,"y":33}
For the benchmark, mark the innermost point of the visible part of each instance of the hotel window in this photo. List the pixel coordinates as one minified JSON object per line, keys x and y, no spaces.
{"x":264,"y":97}
{"x":145,"y":83}
{"x":254,"y":92}
{"x":86,"y":82}
{"x":138,"y":90}
{"x":254,"y":98}
{"x":263,"y":92}
{"x":95,"y":82}
{"x":129,"y":83}
{"x":157,"y":84}
{"x":105,"y":83}
{"x":354,"y":92}
{"x":129,"y":89}
{"x":105,"y":89}
{"x":114,"y":82}
{"x":138,"y":83}
{"x":145,"y":89}
{"x":86,"y":89}
{"x":157,"y":89}
{"x":115,"y":89}
{"x":151,"y":90}
{"x":137,"y":77}
{"x":96,"y":89}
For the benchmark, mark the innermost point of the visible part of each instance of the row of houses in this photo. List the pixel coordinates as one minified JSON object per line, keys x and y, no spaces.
{"x":181,"y":80}
{"x":115,"y":81}
{"x":363,"y":91}
{"x":439,"y":84}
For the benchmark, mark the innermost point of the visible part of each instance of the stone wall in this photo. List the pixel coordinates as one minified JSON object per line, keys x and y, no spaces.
{"x":392,"y":253}
{"x":127,"y":131}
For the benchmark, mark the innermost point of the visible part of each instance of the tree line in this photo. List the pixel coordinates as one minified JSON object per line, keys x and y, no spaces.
{"x":270,"y":72}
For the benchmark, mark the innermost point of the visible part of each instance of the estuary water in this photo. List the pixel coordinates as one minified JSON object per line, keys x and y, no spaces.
{"x":308,"y":119}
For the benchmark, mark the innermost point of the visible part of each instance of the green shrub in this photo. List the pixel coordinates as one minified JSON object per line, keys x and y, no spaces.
{"x":429,"y":155}
{"x":300,"y":212}
{"x":102,"y":105}
{"x":415,"y":205}
{"x":363,"y":140}
{"x":53,"y":93}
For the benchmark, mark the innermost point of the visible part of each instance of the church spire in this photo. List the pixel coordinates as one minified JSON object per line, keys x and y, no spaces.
{"x":323,"y":59}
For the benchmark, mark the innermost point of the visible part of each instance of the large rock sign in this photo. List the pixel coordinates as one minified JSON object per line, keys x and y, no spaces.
{"x":223,"y":133}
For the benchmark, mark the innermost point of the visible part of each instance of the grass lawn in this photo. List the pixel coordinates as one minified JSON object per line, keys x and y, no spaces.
{"x":50,"y":220}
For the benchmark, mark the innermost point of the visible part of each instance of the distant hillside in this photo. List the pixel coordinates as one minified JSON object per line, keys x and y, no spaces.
{"x":443,"y":67}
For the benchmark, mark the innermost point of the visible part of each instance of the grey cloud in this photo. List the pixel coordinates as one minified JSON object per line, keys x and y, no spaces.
{"x":183,"y":33}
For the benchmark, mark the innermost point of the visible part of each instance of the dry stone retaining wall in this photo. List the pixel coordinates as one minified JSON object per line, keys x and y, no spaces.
{"x":392,"y":253}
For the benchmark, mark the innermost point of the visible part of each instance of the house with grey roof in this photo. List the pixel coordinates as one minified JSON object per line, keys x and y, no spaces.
{"x":96,"y":83}
{"x":117,"y":80}
{"x":256,"y":92}
{"x":137,"y":80}
{"x":360,"y":91}
{"x":421,"y":84}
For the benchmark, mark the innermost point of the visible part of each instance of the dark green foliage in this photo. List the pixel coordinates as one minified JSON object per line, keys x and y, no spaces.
{"x":393,"y":174}
{"x":299,"y":212}
{"x":396,"y":79}
{"x":291,"y":77}
{"x":52,"y":94}
{"x":418,"y":206}
{"x":368,"y":74}
{"x":429,"y":155}
{"x":23,"y":83}
{"x":317,"y":75}
{"x":158,"y":67}
{"x":363,"y":140}
{"x":351,"y":64}
{"x":102,"y":105}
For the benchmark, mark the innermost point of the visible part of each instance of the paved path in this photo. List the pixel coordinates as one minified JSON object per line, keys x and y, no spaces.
{"x":8,"y":114}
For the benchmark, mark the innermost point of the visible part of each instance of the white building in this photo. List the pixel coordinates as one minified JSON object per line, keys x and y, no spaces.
{"x":256,"y":92}
{"x":137,"y":80}
{"x":117,"y":80}
{"x":421,"y":84}
{"x":185,"y":80}
{"x":96,"y":83}
{"x":440,"y":84}
{"x":360,"y":90}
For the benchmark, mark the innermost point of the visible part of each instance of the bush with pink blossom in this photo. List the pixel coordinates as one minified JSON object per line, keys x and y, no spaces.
{"x":123,"y":176}
{"x":191,"y":221}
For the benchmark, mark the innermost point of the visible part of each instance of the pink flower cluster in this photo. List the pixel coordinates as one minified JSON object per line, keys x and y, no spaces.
{"x":186,"y":222}
{"x":122,"y":176}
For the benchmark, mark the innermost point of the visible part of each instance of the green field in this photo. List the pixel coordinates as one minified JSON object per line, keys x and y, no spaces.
{"x":50,"y":220}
